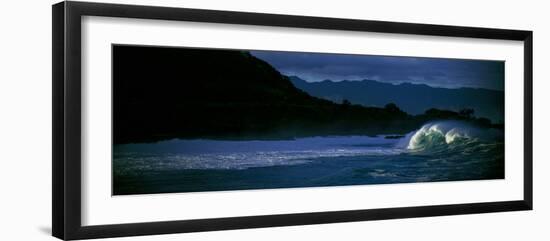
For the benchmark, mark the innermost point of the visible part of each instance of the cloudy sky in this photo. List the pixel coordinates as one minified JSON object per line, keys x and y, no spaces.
{"x":447,"y":73}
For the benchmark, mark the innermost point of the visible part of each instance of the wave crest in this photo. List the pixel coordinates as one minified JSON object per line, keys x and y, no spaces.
{"x":443,"y":135}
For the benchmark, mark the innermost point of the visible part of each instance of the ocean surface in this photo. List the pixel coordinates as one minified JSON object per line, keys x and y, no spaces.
{"x":439,"y":151}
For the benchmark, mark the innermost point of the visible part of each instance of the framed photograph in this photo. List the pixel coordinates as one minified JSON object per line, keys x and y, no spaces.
{"x":169,"y":120}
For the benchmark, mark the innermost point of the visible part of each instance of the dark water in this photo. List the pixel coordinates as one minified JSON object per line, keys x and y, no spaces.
{"x":444,"y":151}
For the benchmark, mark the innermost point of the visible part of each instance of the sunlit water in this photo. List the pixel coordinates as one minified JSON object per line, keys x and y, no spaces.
{"x":443,"y":151}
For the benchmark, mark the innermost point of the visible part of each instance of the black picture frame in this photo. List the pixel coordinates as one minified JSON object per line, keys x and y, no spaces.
{"x":66,"y":169}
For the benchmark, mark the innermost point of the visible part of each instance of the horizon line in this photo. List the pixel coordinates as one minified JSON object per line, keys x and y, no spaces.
{"x":396,"y":83}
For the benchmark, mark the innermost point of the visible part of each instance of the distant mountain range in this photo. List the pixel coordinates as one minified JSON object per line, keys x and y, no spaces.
{"x":411,"y":98}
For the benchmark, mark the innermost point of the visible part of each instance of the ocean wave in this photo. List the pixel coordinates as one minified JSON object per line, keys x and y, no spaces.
{"x":134,"y":162}
{"x":445,"y":139}
{"x":451,"y":136}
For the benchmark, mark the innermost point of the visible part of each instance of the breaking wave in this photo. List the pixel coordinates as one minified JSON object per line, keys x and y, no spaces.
{"x":451,"y":136}
{"x":448,"y":140}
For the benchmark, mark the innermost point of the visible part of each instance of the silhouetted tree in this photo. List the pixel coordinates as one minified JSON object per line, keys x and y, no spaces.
{"x":466,"y":113}
{"x":441,"y":114}
{"x":346,"y":102}
{"x":392,"y":107}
